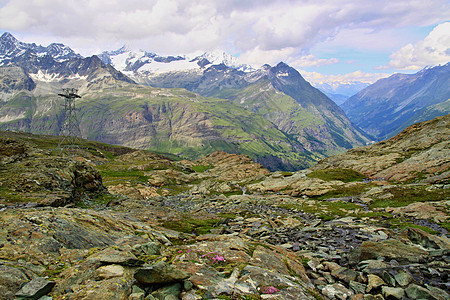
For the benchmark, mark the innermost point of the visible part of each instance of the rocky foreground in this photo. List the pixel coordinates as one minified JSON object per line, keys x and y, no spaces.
{"x":222,"y":227}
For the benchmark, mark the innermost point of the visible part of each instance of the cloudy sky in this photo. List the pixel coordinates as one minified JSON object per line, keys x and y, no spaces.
{"x":324,"y":39}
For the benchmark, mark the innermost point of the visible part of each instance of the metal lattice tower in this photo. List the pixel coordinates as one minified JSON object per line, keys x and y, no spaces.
{"x":70,"y":129}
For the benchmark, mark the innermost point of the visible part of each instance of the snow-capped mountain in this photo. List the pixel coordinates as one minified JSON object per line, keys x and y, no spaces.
{"x":12,"y":49}
{"x":136,"y":63}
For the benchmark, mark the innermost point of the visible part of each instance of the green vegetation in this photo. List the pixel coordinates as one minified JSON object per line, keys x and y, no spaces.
{"x":405,"y":195}
{"x":201,"y":168}
{"x":346,"y":191}
{"x":120,"y":176}
{"x":191,"y":225}
{"x":54,"y":270}
{"x":401,"y":224}
{"x":344,"y":175}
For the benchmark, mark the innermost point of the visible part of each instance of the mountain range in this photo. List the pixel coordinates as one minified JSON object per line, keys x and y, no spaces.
{"x":388,"y":106}
{"x":271,"y":114}
{"x":194,"y":105}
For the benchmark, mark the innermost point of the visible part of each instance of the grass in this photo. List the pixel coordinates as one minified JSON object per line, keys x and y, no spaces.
{"x":403,"y":196}
{"x":201,"y":168}
{"x":346,"y":191}
{"x":344,"y":175}
{"x":100,"y":200}
{"x":330,"y":210}
{"x":119,"y":176}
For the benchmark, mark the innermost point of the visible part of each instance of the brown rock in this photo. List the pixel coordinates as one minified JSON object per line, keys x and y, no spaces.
{"x":392,"y":249}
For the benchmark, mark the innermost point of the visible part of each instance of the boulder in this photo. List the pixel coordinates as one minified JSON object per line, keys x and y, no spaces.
{"x":425,"y":239}
{"x":374,"y":282}
{"x":161,"y":272}
{"x":392,"y":249}
{"x":337,"y":291}
{"x":415,"y":291}
{"x":392,"y":292}
{"x":36,"y":288}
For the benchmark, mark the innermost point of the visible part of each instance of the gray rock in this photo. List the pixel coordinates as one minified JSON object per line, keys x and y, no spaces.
{"x":161,"y":272}
{"x":187,"y":285}
{"x":415,"y":291}
{"x":388,"y":278}
{"x":36,"y":288}
{"x":120,"y":258}
{"x":168,"y":290}
{"x":150,"y":248}
{"x":439,"y":293}
{"x":374,"y":282}
{"x":373,"y":297}
{"x":345,"y":274}
{"x":392,"y":292}
{"x":136,"y":296}
{"x":337,"y":291}
{"x":403,"y":278}
{"x":392,"y":249}
{"x":110,"y":271}
{"x":357,"y":287}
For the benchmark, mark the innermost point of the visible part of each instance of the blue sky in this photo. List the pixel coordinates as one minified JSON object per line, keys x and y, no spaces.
{"x":326,"y":40}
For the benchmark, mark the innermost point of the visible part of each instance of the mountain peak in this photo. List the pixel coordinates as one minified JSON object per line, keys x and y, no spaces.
{"x":8,"y":37}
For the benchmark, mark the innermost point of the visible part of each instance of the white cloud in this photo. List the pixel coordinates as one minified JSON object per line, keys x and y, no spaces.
{"x":312,"y":61}
{"x":261,"y":31}
{"x":257,"y":56}
{"x":433,"y":50}
{"x":349,"y":78}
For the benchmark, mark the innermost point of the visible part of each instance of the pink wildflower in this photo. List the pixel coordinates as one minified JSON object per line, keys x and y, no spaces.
{"x":180,"y":251}
{"x":218,"y":258}
{"x":269,"y":290}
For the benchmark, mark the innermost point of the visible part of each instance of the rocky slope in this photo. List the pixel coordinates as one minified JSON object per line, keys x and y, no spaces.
{"x":421,"y":149}
{"x":390,"y":105}
{"x":221,"y":227}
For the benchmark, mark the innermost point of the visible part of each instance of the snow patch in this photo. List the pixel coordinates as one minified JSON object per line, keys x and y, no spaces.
{"x":283,"y":75}
{"x":52,"y":77}
{"x":9,"y":118}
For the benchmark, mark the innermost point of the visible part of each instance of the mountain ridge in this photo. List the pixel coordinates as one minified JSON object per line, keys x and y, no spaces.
{"x":385,"y":107}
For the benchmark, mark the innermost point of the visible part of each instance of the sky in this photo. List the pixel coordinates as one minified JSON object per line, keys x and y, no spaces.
{"x":326,"y":40}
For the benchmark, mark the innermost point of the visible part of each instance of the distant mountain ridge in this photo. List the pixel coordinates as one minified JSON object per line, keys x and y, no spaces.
{"x":389,"y":105}
{"x":134,"y":63}
{"x":12,"y":49}
{"x":271,"y":114}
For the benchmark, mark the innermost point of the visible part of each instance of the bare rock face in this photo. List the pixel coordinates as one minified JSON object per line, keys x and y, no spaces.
{"x":420,"y":152}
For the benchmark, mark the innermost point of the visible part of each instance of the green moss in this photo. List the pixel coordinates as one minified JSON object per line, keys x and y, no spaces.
{"x":315,"y":294}
{"x":191,"y":225}
{"x":402,"y":223}
{"x":305,"y":261}
{"x":286,"y":174}
{"x":344,"y":175}
{"x":445,"y":225}
{"x":55,"y":270}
